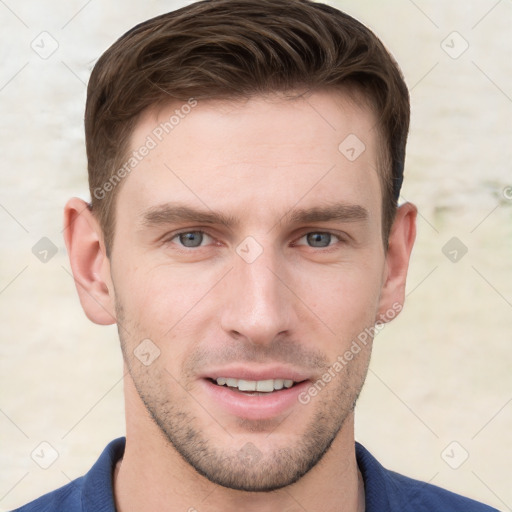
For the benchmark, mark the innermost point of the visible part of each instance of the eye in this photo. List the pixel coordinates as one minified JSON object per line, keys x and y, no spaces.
{"x":319,"y":239}
{"x":190,"y":239}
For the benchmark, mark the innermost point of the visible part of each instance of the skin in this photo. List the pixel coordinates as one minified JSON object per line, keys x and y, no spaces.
{"x":299,"y":304}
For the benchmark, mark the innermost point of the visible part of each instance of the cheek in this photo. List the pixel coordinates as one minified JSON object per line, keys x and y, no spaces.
{"x":345,"y":298}
{"x":158,"y":300}
{"x":165,"y":302}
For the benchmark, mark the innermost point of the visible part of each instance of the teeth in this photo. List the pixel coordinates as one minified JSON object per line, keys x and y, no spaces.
{"x":266,"y":386}
{"x":262,"y":386}
{"x":278,"y":383}
{"x":247,"y":385}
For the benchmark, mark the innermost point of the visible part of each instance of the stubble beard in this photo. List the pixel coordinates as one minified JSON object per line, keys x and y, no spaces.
{"x":250,"y":468}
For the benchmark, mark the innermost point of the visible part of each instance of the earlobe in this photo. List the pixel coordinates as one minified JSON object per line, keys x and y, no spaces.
{"x":89,"y":263}
{"x":401,"y":242}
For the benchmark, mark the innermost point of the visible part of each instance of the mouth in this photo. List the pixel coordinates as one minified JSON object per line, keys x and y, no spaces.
{"x":255,"y":387}
{"x":254,"y":395}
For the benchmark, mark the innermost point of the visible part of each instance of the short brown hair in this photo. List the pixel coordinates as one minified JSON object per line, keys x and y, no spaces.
{"x":235,"y":49}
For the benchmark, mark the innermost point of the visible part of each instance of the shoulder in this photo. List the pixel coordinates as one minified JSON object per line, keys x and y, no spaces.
{"x":430,"y":497}
{"x":89,"y":493}
{"x":66,"y":498}
{"x":404,"y":494}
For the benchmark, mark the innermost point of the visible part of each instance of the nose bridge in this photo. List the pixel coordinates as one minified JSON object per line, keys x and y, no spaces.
{"x":258,"y":307}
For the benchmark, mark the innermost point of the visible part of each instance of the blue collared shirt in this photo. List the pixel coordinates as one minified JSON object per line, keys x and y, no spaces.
{"x":385,"y":491}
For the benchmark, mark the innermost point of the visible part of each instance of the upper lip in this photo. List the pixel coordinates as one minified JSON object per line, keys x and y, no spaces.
{"x":253,"y":373}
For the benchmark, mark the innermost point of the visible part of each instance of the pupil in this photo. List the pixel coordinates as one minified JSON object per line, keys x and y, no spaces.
{"x":192,"y":239}
{"x":319,"y":239}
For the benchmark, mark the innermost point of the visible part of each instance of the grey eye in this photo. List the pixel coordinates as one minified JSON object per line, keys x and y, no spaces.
{"x":191,"y":238}
{"x":319,"y":239}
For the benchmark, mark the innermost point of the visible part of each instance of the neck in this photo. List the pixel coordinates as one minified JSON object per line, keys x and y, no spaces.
{"x":153,"y":476}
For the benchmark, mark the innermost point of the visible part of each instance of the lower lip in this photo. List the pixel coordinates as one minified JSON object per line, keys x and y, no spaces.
{"x":255,"y":407}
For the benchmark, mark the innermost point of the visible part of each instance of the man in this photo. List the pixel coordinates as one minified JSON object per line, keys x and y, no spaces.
{"x":245,"y":161}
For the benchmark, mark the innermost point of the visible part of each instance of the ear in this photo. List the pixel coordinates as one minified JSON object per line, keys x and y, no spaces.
{"x":401,"y":241}
{"x":89,"y":263}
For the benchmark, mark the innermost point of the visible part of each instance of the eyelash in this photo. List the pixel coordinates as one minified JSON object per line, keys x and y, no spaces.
{"x":333,"y":234}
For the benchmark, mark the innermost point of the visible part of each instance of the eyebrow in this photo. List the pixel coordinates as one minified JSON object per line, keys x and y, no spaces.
{"x":341,"y":212}
{"x":174,"y":213}
{"x":171,"y":213}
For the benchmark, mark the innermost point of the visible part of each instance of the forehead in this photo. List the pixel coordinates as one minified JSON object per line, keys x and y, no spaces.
{"x":260,"y":156}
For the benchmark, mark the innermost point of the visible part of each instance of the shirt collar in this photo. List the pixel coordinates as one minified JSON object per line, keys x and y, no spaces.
{"x":98,"y":493}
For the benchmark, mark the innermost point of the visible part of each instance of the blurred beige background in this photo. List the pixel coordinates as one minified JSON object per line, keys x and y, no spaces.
{"x":437,"y":404}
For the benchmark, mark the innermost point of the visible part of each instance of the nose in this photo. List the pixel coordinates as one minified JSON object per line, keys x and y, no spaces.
{"x":258,"y":306}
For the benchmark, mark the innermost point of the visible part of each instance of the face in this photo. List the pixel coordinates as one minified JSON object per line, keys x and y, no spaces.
{"x":248,"y":250}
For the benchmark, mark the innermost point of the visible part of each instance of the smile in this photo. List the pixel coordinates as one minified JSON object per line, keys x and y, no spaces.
{"x":260,"y":386}
{"x":252,"y":399}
